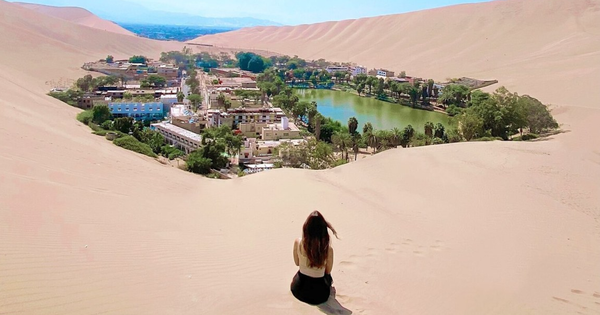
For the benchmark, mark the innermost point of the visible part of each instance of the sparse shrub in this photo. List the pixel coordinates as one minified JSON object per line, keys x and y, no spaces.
{"x":484,"y":139}
{"x":526,"y":137}
{"x":132,"y":144}
{"x":85,"y":117}
{"x":107,"y":125}
{"x":170,"y":152}
{"x":438,"y":141}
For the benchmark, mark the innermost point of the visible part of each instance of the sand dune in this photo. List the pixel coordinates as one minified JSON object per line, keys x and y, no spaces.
{"x":77,"y":15}
{"x":505,"y":40}
{"x":474,"y":228}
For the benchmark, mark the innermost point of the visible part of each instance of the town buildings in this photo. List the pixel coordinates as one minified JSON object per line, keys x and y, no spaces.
{"x":381,"y":73}
{"x":178,"y":137}
{"x":138,"y":111}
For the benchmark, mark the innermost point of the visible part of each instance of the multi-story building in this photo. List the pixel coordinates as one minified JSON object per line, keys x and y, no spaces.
{"x":235,"y":117}
{"x":138,"y":111}
{"x":334,"y":69}
{"x":185,"y":140}
{"x":358,"y":70}
{"x":167,"y":71}
{"x":278,"y":131}
{"x":382,"y":73}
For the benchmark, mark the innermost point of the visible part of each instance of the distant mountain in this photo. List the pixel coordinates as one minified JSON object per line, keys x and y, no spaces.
{"x":132,"y":13}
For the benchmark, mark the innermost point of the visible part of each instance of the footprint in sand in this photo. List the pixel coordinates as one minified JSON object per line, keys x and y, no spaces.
{"x":418,"y":253}
{"x":437,"y":246}
{"x":394,"y":248}
{"x":348,"y":265}
{"x":576,"y":291}
{"x":596,"y":295}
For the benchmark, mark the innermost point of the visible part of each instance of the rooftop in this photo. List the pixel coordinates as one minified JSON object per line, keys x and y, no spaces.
{"x":180,"y":131}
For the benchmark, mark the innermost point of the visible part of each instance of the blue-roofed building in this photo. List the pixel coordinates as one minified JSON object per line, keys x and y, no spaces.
{"x":138,"y":111}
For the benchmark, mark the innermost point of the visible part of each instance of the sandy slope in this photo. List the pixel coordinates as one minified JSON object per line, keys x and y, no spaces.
{"x":88,"y":228}
{"x":79,"y":16}
{"x":506,"y":40}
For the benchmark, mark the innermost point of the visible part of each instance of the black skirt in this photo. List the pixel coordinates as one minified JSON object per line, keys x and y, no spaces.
{"x":311,"y":290}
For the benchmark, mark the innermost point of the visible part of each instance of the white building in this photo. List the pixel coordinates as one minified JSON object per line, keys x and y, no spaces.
{"x":334,"y":69}
{"x":358,"y":70}
{"x":183,"y":139}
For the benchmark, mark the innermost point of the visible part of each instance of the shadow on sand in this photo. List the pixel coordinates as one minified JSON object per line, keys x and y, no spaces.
{"x":332,"y":306}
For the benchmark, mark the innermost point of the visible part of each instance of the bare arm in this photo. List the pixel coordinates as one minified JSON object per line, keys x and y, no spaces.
{"x":296,"y":258}
{"x":329,"y":264}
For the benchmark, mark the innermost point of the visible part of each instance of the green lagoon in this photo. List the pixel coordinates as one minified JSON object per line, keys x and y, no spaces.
{"x":341,"y":106}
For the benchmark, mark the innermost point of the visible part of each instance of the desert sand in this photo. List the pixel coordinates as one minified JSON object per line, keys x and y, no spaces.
{"x":79,"y":16}
{"x":470,"y":228}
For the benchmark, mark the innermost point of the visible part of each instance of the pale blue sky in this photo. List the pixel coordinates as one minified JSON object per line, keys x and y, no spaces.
{"x":289,"y":12}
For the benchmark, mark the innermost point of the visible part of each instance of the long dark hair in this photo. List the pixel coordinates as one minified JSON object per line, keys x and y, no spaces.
{"x":315,"y":239}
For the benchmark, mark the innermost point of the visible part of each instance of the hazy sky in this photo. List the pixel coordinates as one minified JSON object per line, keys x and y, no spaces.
{"x":289,"y":12}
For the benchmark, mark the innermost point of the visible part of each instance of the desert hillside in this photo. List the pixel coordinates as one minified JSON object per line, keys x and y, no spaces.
{"x":79,"y":16}
{"x":472,"y":228}
{"x":508,"y":40}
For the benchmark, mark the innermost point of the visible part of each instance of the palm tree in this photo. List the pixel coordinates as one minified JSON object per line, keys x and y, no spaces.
{"x":318,"y":119}
{"x":396,"y":136}
{"x":429,"y":129}
{"x":373,"y":141}
{"x":352,"y":125}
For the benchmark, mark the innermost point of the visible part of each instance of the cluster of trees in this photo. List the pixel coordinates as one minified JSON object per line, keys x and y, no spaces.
{"x":187,"y":60}
{"x":132,"y":135}
{"x":503,"y":114}
{"x":153,"y":81}
{"x":223,"y":101}
{"x":252,"y":62}
{"x":138,"y":59}
{"x":313,"y":154}
{"x":70,"y":96}
{"x":216,"y":143}
{"x":90,"y":84}
{"x":386,"y":89}
{"x":248,"y":95}
{"x":194,"y":97}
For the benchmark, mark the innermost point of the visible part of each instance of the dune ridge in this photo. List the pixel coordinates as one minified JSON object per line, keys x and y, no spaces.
{"x":471,"y":228}
{"x":77,"y":15}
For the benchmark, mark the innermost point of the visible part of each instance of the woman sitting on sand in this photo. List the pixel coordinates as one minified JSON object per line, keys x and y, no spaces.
{"x":313,"y":255}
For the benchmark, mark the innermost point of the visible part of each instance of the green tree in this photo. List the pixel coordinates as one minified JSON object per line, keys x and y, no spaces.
{"x":256,"y":64}
{"x":180,"y":97}
{"x":537,"y":115}
{"x":352,"y":125}
{"x":195,"y":100}
{"x":197,"y":163}
{"x":360,"y":88}
{"x":407,"y":136}
{"x":318,"y":121}
{"x":138,"y":59}
{"x":440,"y":131}
{"x":153,"y":80}
{"x":123,"y":124}
{"x":342,"y":141}
{"x":101,"y":113}
{"x":454,"y":94}
{"x":110,"y":59}
{"x":470,"y":125}
{"x":429,"y":129}
{"x":368,"y":128}
{"x":85,"y":84}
